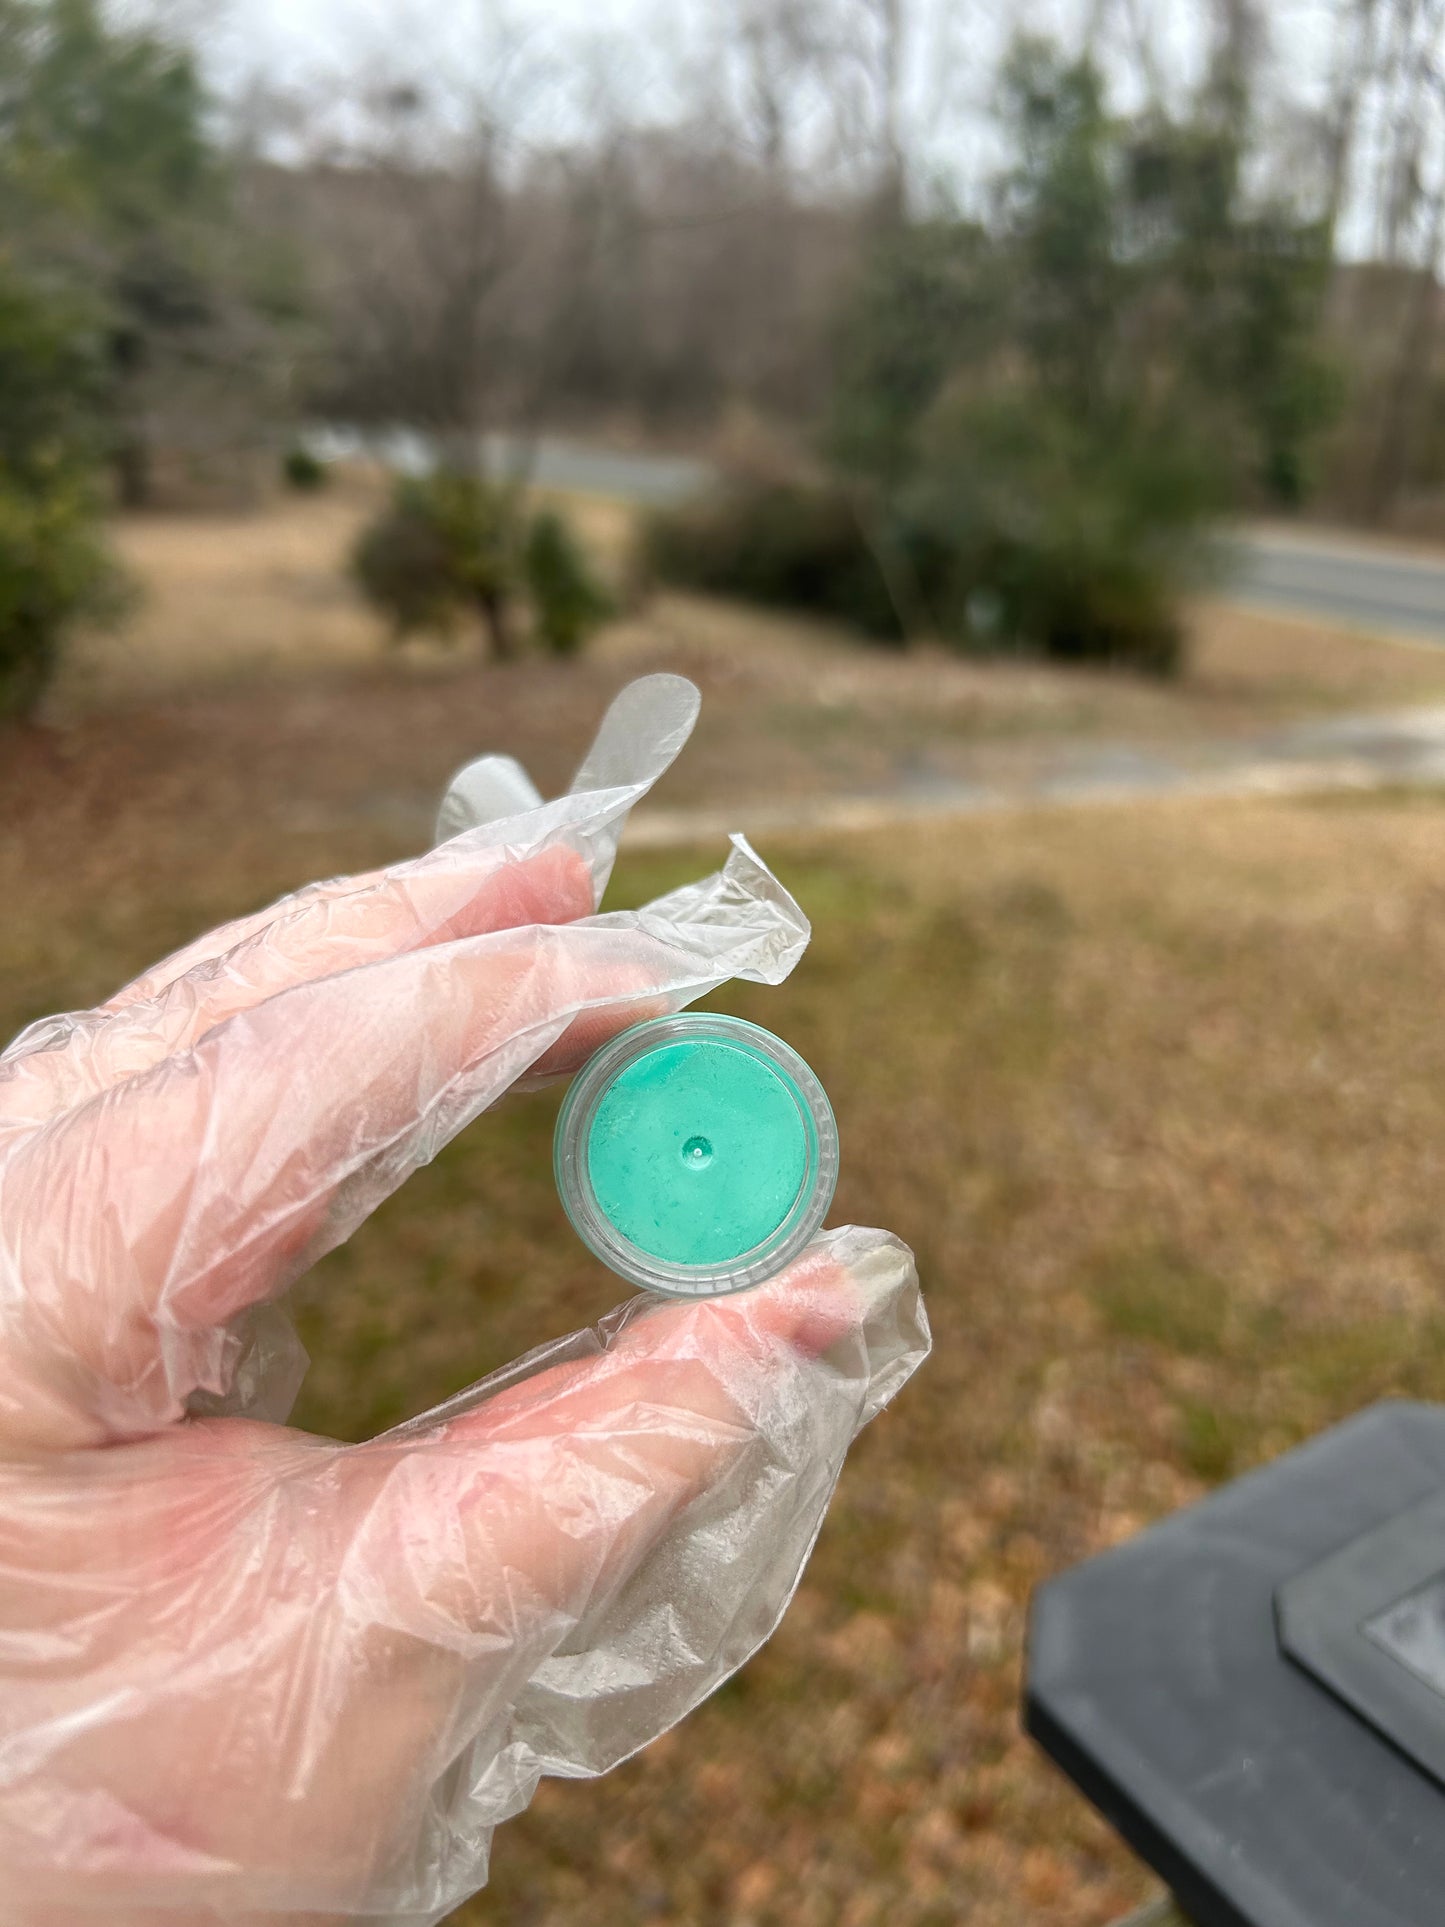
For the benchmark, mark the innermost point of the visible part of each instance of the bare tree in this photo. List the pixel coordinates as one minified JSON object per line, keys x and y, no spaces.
{"x":781,"y":53}
{"x":823,"y":88}
{"x":891,"y":24}
{"x":1354,"y":71}
{"x":421,"y":230}
{"x":1391,"y":122}
{"x":1237,"y":53}
{"x":1124,"y":27}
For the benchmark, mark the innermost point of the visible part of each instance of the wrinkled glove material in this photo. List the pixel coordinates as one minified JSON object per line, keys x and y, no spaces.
{"x":248,"y":1676}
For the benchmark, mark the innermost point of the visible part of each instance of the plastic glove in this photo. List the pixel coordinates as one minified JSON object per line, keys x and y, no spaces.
{"x":250,"y":1676}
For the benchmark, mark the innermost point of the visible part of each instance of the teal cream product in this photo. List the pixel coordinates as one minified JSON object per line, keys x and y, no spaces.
{"x":696,"y":1155}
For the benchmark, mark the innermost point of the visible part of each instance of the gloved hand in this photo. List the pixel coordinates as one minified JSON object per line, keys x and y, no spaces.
{"x":252,"y":1676}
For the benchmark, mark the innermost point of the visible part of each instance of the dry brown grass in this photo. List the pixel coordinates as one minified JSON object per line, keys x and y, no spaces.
{"x":1158,"y":1097}
{"x":1156,"y":1094}
{"x":226,"y":596}
{"x":1283,"y":665}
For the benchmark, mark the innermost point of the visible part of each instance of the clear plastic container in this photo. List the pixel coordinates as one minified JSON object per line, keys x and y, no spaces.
{"x":696,"y":1155}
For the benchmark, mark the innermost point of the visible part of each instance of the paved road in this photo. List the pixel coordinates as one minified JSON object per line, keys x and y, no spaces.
{"x":653,"y":481}
{"x":1357,"y":584}
{"x":1353,"y":583}
{"x":555,"y":461}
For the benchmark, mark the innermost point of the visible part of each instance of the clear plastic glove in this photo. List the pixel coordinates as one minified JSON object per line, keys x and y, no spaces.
{"x":251,"y":1676}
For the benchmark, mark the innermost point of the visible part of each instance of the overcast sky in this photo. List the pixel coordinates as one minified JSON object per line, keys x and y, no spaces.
{"x":636,"y":49}
{"x":307,"y":35}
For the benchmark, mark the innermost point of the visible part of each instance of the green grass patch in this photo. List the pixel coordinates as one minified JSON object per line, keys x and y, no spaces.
{"x":1163,"y":1297}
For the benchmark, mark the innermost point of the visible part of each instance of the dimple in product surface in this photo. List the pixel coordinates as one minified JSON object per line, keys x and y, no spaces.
{"x":696,"y":1155}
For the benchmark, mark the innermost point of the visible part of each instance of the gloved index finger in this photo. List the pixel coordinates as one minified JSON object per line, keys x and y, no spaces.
{"x":270,"y":1140}
{"x":492,"y":875}
{"x":320,"y":932}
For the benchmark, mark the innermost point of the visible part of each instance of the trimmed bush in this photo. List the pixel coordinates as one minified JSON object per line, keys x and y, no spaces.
{"x":567,"y":603}
{"x":1015,"y":533}
{"x":789,"y":545}
{"x":54,"y":572}
{"x":451,"y":551}
{"x":303,"y":471}
{"x":440,"y":556}
{"x":1029,"y":533}
{"x":54,"y":568}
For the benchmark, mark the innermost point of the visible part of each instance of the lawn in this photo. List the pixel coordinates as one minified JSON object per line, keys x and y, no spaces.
{"x":1157,"y":1095}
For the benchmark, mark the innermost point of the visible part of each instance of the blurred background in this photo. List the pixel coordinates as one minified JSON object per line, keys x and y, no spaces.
{"x":1027,"y":424}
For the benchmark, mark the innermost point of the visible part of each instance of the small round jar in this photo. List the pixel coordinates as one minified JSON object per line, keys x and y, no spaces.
{"x":696,"y":1155}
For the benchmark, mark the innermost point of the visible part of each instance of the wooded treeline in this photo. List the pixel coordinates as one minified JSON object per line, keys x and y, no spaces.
{"x":661,"y":278}
{"x":414,"y":251}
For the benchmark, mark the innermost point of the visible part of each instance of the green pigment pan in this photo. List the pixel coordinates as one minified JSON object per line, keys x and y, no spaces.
{"x":696,"y":1155}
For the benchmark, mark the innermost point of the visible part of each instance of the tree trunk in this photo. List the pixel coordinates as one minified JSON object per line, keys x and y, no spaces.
{"x":133,"y":477}
{"x":1354,"y":68}
{"x":1405,"y":394}
{"x":497,"y":623}
{"x":891,"y":189}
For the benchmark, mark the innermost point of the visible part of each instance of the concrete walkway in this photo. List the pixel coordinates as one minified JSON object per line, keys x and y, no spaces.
{"x":1405,"y":748}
